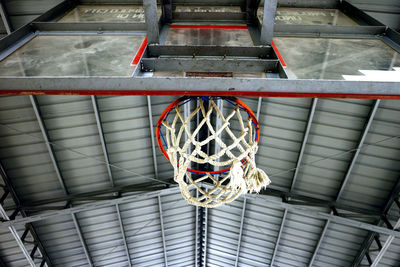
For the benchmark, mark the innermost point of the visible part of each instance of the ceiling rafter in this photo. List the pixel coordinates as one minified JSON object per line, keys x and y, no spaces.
{"x":272,"y":202}
{"x":153,"y":145}
{"x":296,"y":172}
{"x":240,"y":232}
{"x":162,"y":231}
{"x":29,"y":228}
{"x":346,"y":178}
{"x":5,"y":18}
{"x":372,"y":236}
{"x":59,"y":175}
{"x":109,"y":172}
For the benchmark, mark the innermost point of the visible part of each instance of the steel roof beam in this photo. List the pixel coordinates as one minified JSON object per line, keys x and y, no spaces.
{"x":385,"y":246}
{"x":102,"y":140}
{"x":304,"y":142}
{"x":45,"y":135}
{"x":29,"y":227}
{"x":367,"y":126}
{"x":267,"y":28}
{"x":104,"y":148}
{"x":121,"y":225}
{"x":273,"y":87}
{"x":153,"y":145}
{"x":166,"y":11}
{"x":296,"y":172}
{"x":162,"y":231}
{"x":204,"y":235}
{"x":17,"y":238}
{"x":81,"y":238}
{"x":151,"y":17}
{"x":372,"y":235}
{"x":273,"y":202}
{"x":5,"y":18}
{"x":197,"y":239}
{"x":116,"y":192}
{"x":240,"y":232}
{"x":57,"y":170}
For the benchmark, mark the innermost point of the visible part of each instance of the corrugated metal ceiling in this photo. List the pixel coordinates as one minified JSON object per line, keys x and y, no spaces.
{"x":163,"y":230}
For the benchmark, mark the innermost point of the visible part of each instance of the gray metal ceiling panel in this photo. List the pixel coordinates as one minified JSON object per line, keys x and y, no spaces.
{"x":61,"y":241}
{"x":260,"y":232}
{"x":141,"y":220}
{"x":23,"y":151}
{"x":22,"y":12}
{"x":378,"y":165}
{"x":10,"y":252}
{"x":179,"y":224}
{"x":299,"y":238}
{"x":223,"y":233}
{"x":103,"y":236}
{"x":125,"y":122}
{"x":72,"y":129}
{"x":392,"y":256}
{"x":336,"y":129}
{"x":282,"y":123}
{"x":340,"y":246}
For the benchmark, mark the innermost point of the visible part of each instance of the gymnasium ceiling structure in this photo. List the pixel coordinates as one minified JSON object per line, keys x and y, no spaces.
{"x":83,"y":84}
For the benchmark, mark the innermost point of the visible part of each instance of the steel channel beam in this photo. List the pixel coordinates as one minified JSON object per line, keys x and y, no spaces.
{"x":210,"y":65}
{"x":84,"y":245}
{"x":357,"y":14}
{"x":347,"y":176}
{"x":296,"y":172}
{"x":251,"y":10}
{"x":109,"y":194}
{"x":240,"y":232}
{"x":150,"y":14}
{"x":5,"y":18}
{"x":304,"y":142}
{"x":371,"y":236}
{"x":235,"y":17}
{"x":121,"y":225}
{"x":22,"y":35}
{"x":17,"y":238}
{"x":309,"y":3}
{"x":87,"y":26}
{"x":153,"y":145}
{"x":360,"y":144}
{"x":273,"y":202}
{"x":385,"y":247}
{"x":204,"y":237}
{"x":209,"y":50}
{"x":267,"y":28}
{"x":60,"y":178}
{"x":167,"y":14}
{"x":392,"y":39}
{"x":195,"y":86}
{"x":278,"y":239}
{"x":45,"y":135}
{"x":101,"y":136}
{"x":29,"y":226}
{"x":162,"y":231}
{"x":197,"y":240}
{"x":104,"y":148}
{"x":328,"y":31}
{"x":259,"y":103}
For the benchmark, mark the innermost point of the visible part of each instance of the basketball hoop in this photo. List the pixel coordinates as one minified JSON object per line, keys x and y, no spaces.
{"x":218,"y":176}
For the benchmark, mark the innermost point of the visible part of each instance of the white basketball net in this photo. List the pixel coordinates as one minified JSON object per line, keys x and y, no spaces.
{"x":213,"y":190}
